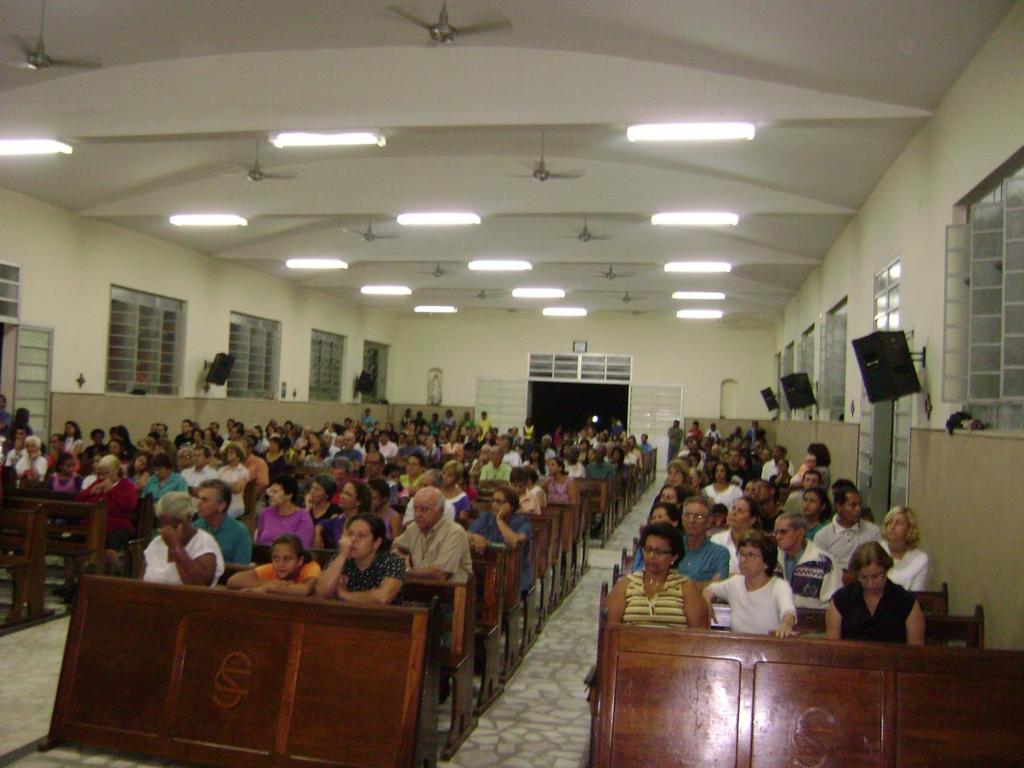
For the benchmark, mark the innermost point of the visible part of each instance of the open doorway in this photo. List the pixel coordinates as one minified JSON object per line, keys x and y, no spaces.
{"x":571,"y":405}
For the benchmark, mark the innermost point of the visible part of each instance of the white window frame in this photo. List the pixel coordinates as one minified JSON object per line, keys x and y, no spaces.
{"x":145,"y":342}
{"x":255,"y":343}
{"x":326,"y":358}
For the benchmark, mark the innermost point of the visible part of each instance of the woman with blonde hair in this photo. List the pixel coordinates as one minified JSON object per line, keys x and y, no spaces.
{"x":901,"y":534}
{"x":235,"y":474}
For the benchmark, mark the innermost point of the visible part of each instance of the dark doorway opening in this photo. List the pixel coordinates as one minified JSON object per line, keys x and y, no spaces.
{"x":572,"y":405}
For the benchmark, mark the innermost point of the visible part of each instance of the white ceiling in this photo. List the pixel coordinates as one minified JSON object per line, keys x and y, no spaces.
{"x":189,"y":88}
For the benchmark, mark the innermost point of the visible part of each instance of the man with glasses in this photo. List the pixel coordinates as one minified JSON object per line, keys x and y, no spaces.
{"x":703,"y":561}
{"x":809,"y":571}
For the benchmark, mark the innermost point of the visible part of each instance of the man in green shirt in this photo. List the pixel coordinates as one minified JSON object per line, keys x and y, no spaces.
{"x":495,"y":470}
{"x":234,"y":540}
{"x":599,"y":469}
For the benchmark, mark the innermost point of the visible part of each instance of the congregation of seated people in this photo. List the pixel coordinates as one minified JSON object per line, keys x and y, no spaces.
{"x":781,"y":540}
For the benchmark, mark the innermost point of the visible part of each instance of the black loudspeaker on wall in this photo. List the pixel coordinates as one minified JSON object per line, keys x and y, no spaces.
{"x":220,"y":368}
{"x":797,"y":388}
{"x":886,"y":365}
{"x":769,"y":399}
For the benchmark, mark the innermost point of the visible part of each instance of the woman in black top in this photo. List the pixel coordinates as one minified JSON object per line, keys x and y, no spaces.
{"x":366,"y":571}
{"x":873,"y":608}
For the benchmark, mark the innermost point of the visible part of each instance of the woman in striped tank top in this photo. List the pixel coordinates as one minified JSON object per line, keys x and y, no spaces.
{"x":658,"y":594}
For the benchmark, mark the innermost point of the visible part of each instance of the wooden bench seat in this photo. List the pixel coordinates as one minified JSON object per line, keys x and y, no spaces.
{"x":75,"y":531}
{"x":197,"y":675}
{"x":675,"y":697}
{"x":23,"y":555}
{"x":968,"y":631}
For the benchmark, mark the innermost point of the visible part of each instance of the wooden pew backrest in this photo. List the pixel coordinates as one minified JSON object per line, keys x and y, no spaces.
{"x":230,"y":679}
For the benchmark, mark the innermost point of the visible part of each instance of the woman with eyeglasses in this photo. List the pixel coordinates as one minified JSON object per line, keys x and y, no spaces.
{"x":760,"y":602}
{"x":658,"y":594}
{"x":503,"y":524}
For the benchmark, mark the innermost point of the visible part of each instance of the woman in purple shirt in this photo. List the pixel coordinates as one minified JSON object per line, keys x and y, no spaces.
{"x":284,"y":515}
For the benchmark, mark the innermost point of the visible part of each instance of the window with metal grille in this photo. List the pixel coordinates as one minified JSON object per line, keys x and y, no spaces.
{"x":146,"y":342}
{"x":587,"y":367}
{"x":833,"y":363}
{"x":255,"y":343}
{"x":805,"y":361}
{"x":10,"y":292}
{"x":983,"y":345}
{"x":326,"y":353}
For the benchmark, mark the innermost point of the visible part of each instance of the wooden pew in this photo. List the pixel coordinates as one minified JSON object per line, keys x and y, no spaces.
{"x":229,"y":679}
{"x":489,"y":573}
{"x":457,"y":617}
{"x":711,"y":699}
{"x":968,"y":631}
{"x":598,"y":497}
{"x":512,"y":612}
{"x":541,"y":527}
{"x":23,"y":554}
{"x":74,"y":530}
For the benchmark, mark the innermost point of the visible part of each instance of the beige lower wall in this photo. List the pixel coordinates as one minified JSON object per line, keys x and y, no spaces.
{"x":137,"y":413}
{"x":966,"y":490}
{"x":841,"y":438}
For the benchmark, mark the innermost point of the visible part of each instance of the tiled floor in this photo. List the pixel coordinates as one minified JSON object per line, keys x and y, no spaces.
{"x":541,"y":721}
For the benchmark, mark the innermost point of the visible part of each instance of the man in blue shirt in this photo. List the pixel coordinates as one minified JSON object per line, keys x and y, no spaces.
{"x":234,"y":540}
{"x":704,"y":560}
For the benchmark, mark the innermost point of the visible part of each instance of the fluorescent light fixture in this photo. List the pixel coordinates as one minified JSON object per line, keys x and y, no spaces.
{"x":690,"y":131}
{"x":290,"y":139}
{"x":698,"y":266}
{"x":699,"y":314}
{"x":436,"y":309}
{"x":438,"y":219}
{"x":499,"y":265}
{"x":565,"y":312}
{"x":695,"y":219}
{"x":13,"y":147}
{"x":538,"y":293}
{"x":385,"y":290}
{"x":316,"y":264}
{"x":207,"y":220}
{"x":698,"y":295}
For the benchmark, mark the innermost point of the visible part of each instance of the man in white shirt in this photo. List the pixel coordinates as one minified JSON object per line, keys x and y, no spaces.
{"x":771,"y":468}
{"x":847,"y":531}
{"x":388,"y":449}
{"x":508,"y":455}
{"x":199,"y":468}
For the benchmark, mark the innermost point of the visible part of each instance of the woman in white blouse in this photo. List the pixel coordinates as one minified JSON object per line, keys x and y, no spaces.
{"x":900,"y":537}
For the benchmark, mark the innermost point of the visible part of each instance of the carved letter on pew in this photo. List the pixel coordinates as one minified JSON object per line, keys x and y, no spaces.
{"x":207,"y":676}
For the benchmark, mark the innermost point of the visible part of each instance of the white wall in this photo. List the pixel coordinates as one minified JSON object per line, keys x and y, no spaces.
{"x":978,"y":126}
{"x":665,"y":351}
{"x":69,"y":262}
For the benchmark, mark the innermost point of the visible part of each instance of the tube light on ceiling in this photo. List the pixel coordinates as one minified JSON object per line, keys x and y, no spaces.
{"x":499,"y":265}
{"x":695,"y":219}
{"x":436,"y":309}
{"x":699,"y":314}
{"x":208,"y":220}
{"x":316,"y":264}
{"x":438,"y":219}
{"x":21,"y":147}
{"x":691,"y":132}
{"x":565,"y":312}
{"x":698,"y":266}
{"x":698,"y":295}
{"x":538,"y":293}
{"x":293,"y":139}
{"x":385,"y":290}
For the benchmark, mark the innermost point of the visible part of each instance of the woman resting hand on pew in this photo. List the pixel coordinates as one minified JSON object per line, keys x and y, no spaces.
{"x":760,"y":602}
{"x":366,"y":571}
{"x":181,"y":554}
{"x":873,"y":608}
{"x":658,"y":594}
{"x":291,"y":570}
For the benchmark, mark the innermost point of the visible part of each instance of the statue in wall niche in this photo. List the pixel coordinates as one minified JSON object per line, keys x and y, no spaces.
{"x":435,"y":378}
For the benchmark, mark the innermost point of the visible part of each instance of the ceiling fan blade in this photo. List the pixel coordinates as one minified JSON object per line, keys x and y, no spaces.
{"x":486,"y":26}
{"x":73,"y":64}
{"x":411,"y":17}
{"x":565,"y":174}
{"x":23,"y":45}
{"x":601,"y":237}
{"x":231,"y":169}
{"x":359,"y":232}
{"x":384,"y":237}
{"x":520,"y":175}
{"x":279,"y":176}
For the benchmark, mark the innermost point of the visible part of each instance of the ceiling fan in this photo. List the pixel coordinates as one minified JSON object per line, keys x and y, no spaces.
{"x":37,"y":59}
{"x":626,"y":298}
{"x":436,"y":271}
{"x":611,"y":274}
{"x":442,"y":31}
{"x":368,"y":234}
{"x":482,"y":295}
{"x":585,"y":235}
{"x":255,"y":172}
{"x":541,"y":172}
